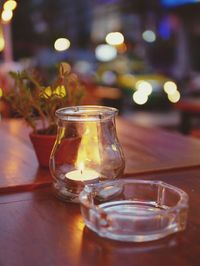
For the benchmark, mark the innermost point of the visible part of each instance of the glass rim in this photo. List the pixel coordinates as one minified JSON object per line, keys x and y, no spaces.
{"x":86,"y":112}
{"x":182,"y":202}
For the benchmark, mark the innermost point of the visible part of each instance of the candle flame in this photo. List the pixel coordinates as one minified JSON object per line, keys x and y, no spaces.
{"x":88,"y":152}
{"x":81,"y":167}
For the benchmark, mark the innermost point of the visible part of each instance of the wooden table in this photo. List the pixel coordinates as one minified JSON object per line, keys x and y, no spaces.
{"x":189,"y":109}
{"x":37,"y":229}
{"x":146,"y":150}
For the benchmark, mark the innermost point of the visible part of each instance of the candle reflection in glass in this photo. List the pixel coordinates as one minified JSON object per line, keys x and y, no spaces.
{"x":86,"y":149}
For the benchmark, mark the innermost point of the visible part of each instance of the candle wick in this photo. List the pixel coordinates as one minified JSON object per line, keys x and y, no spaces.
{"x":81,"y":171}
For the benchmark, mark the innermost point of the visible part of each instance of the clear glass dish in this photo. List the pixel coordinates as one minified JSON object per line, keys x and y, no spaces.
{"x":134,"y":210}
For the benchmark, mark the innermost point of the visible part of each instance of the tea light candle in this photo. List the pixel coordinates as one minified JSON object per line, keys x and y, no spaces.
{"x":83,"y":175}
{"x":78,"y":178}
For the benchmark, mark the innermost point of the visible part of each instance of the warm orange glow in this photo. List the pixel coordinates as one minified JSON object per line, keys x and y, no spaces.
{"x":10,"y":5}
{"x":122,"y":48}
{"x":1,"y":92}
{"x":2,"y":43}
{"x":79,"y":223}
{"x":2,"y":40}
{"x":75,"y":239}
{"x":6,"y":15}
{"x":88,"y":153}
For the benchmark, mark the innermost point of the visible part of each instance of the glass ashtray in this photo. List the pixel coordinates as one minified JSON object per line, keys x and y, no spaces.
{"x":134,"y":210}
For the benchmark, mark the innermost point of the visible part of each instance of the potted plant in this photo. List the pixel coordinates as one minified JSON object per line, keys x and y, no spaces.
{"x":37,"y":103}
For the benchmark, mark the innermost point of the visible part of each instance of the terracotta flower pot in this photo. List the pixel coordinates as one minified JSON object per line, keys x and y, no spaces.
{"x":66,"y":152}
{"x":43,"y":145}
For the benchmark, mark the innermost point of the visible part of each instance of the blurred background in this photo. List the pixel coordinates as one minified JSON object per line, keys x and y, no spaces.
{"x":141,"y":56}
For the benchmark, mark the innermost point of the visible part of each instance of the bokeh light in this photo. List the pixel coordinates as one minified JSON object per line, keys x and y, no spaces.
{"x":61,"y":44}
{"x":109,"y":77}
{"x":114,"y":38}
{"x":1,"y":92}
{"x":10,"y":5}
{"x":105,"y":52}
{"x":2,"y":43}
{"x":122,"y":48}
{"x":175,"y":97}
{"x":6,"y":15}
{"x":144,"y":86}
{"x":149,"y":36}
{"x":82,"y":67}
{"x":140,"y":97}
{"x":170,"y":87}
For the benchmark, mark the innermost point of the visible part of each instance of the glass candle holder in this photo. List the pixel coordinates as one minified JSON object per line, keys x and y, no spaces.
{"x":86,"y":150}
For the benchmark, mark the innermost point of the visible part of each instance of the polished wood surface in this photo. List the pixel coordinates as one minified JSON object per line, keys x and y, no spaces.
{"x":151,"y":149}
{"x":146,"y":150}
{"x":37,"y":229}
{"x":189,"y":109}
{"x":18,"y":163}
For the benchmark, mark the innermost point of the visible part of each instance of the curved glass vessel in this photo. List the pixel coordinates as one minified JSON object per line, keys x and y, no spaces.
{"x":134,"y":210}
{"x":86,"y":150}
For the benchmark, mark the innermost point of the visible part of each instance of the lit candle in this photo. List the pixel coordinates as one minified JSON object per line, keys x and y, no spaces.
{"x":77,"y":179}
{"x":82,"y":175}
